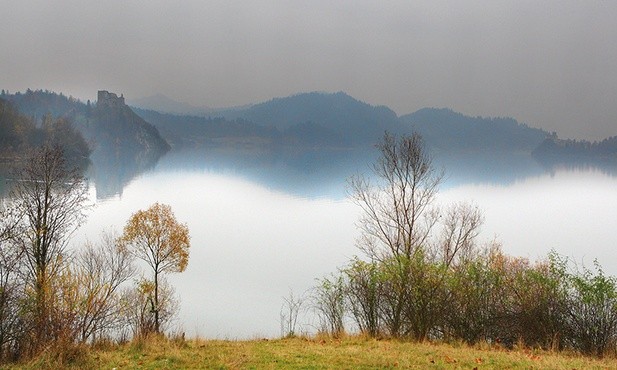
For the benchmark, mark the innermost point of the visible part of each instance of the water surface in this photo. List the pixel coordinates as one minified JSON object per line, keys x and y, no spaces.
{"x":264,"y":223}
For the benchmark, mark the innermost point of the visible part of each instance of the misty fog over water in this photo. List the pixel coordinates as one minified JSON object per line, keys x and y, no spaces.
{"x":265,"y":224}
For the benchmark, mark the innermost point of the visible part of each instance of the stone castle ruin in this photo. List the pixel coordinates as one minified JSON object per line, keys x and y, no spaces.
{"x":105,"y":98}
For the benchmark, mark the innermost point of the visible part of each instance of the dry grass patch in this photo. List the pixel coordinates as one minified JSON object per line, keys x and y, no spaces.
{"x":315,"y":353}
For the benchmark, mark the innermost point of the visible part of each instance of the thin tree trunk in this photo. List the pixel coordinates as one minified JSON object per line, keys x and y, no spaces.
{"x":156,"y":303}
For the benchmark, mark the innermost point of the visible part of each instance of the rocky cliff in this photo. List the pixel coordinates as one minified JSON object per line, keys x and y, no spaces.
{"x":117,"y":131}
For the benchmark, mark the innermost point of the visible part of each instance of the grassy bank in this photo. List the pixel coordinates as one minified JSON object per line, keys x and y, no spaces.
{"x":300,"y":353}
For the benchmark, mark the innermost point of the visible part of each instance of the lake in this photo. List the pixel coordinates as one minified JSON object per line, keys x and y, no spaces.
{"x":264,"y":223}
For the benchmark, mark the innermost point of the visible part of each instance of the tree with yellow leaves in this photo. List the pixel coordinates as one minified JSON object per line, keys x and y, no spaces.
{"x":157,"y":238}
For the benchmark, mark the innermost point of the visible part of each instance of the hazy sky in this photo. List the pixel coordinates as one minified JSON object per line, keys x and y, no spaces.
{"x":551,"y":64}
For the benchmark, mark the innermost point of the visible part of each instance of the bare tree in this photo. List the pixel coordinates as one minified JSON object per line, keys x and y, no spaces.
{"x":100,"y":270}
{"x":398,"y":213}
{"x":290,"y":311}
{"x":138,"y":307}
{"x":51,"y":197}
{"x":398,"y":225}
{"x":461,"y":225}
{"x":10,"y":282}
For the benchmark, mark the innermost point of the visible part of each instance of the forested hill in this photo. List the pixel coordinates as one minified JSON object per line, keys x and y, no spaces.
{"x":109,"y":126}
{"x":303,"y":120}
{"x":195,"y":131}
{"x":19,"y":133}
{"x":449,"y":130}
{"x":314,"y":120}
{"x":336,"y":116}
{"x":38,"y":103}
{"x":338,"y":120}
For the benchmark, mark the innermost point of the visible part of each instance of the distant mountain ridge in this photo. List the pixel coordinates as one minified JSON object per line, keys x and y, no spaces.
{"x":445,"y":129}
{"x":337,"y":116}
{"x":134,"y":139}
{"x":163,"y":104}
{"x":314,"y":120}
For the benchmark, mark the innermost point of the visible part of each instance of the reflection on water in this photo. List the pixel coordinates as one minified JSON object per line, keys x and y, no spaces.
{"x":263,"y":222}
{"x":250,"y":245}
{"x":108,"y":172}
{"x":111,"y":173}
{"x":324,"y":173}
{"x":571,"y":212}
{"x":311,"y":173}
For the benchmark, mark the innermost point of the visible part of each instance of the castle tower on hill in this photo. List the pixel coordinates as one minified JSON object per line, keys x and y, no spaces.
{"x":105,"y":98}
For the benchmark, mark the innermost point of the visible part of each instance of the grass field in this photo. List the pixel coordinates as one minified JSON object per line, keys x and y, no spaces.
{"x":301,"y":353}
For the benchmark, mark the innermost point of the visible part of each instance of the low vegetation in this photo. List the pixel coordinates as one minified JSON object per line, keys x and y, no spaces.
{"x":425,"y":277}
{"x":302,"y":353}
{"x":490,"y":298}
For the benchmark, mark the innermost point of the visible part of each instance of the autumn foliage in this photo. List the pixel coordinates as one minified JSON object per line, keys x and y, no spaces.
{"x":158,"y":239}
{"x":59,"y":299}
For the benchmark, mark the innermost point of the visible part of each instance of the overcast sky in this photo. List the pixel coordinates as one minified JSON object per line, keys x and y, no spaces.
{"x":548,"y":64}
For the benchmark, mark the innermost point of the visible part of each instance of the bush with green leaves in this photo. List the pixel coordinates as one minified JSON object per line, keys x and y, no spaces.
{"x":329,"y":303}
{"x":592,"y":311}
{"x":365,"y":287}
